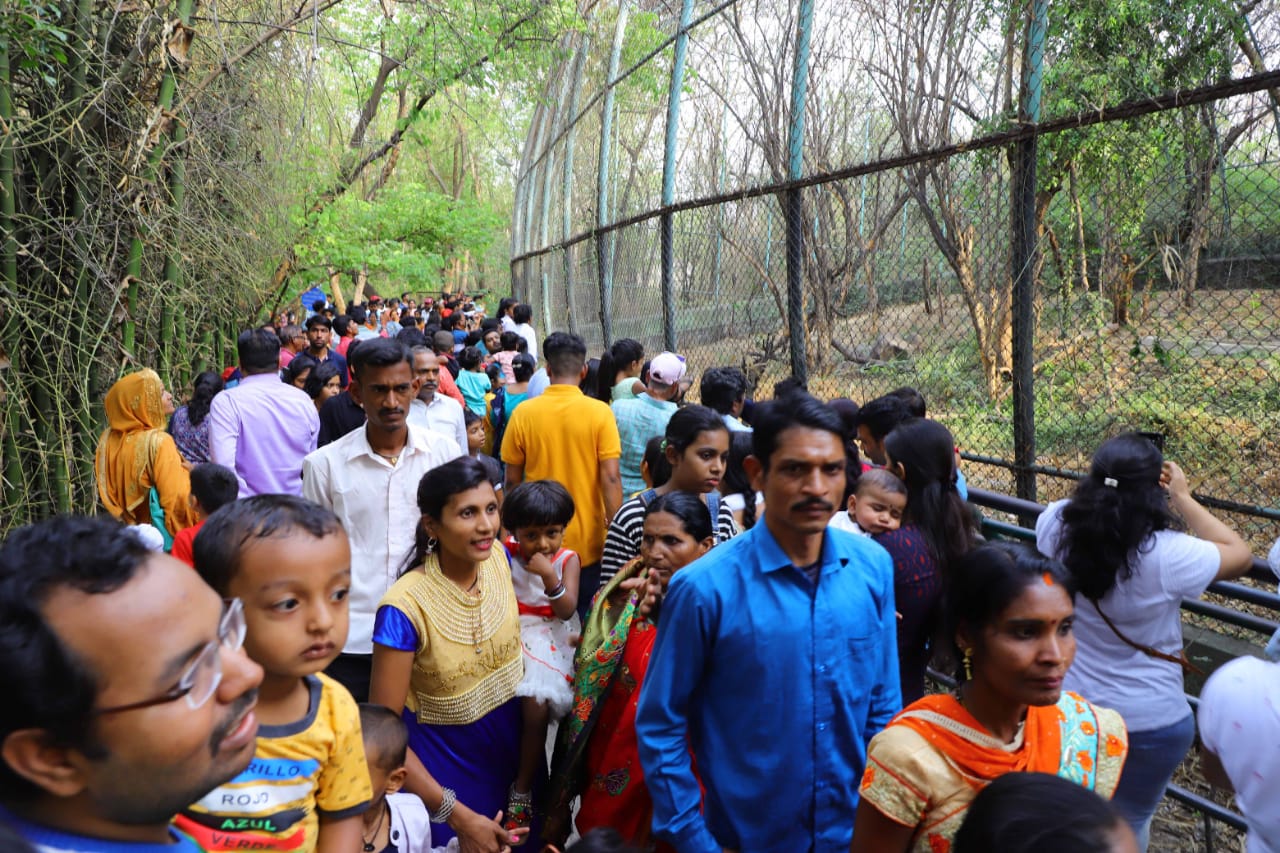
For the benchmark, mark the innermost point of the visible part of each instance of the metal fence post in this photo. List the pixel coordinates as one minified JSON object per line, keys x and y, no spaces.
{"x":604,"y":242}
{"x":1023,"y":261}
{"x":669,"y":176}
{"x":793,"y":202}
{"x":566,"y":206}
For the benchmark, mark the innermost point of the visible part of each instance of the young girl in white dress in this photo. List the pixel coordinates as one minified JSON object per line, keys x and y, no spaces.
{"x":545,"y":577}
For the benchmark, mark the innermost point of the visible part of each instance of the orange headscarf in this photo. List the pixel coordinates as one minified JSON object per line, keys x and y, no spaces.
{"x":129,"y":449}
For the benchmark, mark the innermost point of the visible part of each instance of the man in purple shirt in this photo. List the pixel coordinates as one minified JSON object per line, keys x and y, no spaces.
{"x":264,"y":429}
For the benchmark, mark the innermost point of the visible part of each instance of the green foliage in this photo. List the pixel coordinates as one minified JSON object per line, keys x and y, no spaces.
{"x":33,"y":32}
{"x":405,"y":236}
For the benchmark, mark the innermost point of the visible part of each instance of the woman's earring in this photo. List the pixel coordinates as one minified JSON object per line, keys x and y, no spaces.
{"x":968,"y":664}
{"x":431,"y":543}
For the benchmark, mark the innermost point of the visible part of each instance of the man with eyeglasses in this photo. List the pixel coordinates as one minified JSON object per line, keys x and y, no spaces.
{"x":127,"y":694}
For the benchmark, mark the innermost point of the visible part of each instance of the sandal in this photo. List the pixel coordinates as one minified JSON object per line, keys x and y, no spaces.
{"x":519,"y":812}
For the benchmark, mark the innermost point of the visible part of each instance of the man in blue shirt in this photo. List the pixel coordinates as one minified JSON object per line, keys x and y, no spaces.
{"x":775,"y":661}
{"x":127,"y":693}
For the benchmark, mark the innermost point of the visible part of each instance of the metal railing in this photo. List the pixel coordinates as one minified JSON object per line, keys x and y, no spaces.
{"x":1027,"y":510}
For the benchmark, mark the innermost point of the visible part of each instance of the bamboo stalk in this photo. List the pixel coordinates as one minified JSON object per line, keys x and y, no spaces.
{"x":9,"y":327}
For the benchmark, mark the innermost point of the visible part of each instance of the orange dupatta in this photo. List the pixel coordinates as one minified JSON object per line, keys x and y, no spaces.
{"x":943,"y":722}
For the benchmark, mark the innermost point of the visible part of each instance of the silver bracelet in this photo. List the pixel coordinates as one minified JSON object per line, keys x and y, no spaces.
{"x":558,"y":592}
{"x":442,"y":814}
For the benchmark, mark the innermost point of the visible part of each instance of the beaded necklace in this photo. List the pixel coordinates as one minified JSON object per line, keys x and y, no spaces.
{"x":465,"y":615}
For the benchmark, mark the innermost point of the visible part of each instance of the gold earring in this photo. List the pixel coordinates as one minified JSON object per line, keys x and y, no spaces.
{"x":968,"y":664}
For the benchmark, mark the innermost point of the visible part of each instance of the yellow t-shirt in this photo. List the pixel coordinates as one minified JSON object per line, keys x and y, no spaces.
{"x":299,"y":771}
{"x":564,"y":435}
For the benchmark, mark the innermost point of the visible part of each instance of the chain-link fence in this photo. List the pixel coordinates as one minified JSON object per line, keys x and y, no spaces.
{"x":931,"y":137}
{"x":1053,"y":223}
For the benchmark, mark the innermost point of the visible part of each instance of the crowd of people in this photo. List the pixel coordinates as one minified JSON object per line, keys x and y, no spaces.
{"x":441,"y":585}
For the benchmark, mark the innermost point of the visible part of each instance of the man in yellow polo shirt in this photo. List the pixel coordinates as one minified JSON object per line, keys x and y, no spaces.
{"x":566,"y":436}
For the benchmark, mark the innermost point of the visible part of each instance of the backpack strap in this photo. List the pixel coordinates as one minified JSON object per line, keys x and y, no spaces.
{"x":648,"y":495}
{"x":713,"y":504}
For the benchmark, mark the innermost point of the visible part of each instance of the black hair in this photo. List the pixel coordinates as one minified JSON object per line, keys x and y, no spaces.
{"x":722,"y":387}
{"x":879,"y":478}
{"x":523,"y":366}
{"x":1037,"y":813}
{"x":297,"y":366}
{"x":342,"y":324}
{"x":688,"y":423}
{"x":984,"y":581}
{"x":1113,"y":513}
{"x":439,"y":344}
{"x":788,"y":386}
{"x":48,"y":687}
{"x":602,"y":839}
{"x":927,"y":453}
{"x":357,"y":343}
{"x":316,"y":320}
{"x":623,"y":352}
{"x":736,"y":481}
{"x":694,"y":516}
{"x":848,"y":412}
{"x":565,"y":354}
{"x":882,"y":414}
{"x":912,"y":399}
{"x":493,"y":371}
{"x":214,"y":486}
{"x":469,"y":357}
{"x":536,"y":503}
{"x":505,"y":304}
{"x":510,"y":341}
{"x":386,"y":737}
{"x":378,"y":352}
{"x":491,"y":324}
{"x":450,"y":323}
{"x":591,"y":380}
{"x":435,"y":489}
{"x":258,"y":351}
{"x":797,"y":409}
{"x":359,"y":314}
{"x":411,"y":336}
{"x":319,"y":377}
{"x":206,"y":387}
{"x":221,"y":542}
{"x":521,"y":314}
{"x":655,"y":456}
{"x":318,"y":305}
{"x":469,"y":417}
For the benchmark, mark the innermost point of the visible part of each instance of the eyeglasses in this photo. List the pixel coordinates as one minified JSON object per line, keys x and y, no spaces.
{"x":203,"y":676}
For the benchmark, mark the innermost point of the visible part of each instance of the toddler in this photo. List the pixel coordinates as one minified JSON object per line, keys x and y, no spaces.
{"x":394,"y":822}
{"x":545,"y":576}
{"x":212,"y":487}
{"x":472,"y":381}
{"x":875,"y":506}
{"x":285,"y":566}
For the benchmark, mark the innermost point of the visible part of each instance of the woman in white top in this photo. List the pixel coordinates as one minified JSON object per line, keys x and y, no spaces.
{"x":1117,"y":536}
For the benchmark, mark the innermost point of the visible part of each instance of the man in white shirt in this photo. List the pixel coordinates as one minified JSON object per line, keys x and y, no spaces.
{"x":369,"y":478}
{"x":432,"y":410}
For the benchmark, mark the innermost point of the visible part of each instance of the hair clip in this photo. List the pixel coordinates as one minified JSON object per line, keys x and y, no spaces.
{"x":1110,"y":481}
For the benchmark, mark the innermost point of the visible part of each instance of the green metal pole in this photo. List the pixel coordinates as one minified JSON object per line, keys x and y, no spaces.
{"x":793,"y":201}
{"x":604,"y":242}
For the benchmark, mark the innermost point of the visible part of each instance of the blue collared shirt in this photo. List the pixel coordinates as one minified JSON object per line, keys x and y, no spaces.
{"x":777,"y":684}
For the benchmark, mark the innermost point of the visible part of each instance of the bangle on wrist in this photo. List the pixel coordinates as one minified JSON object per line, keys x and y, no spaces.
{"x":557,"y":592}
{"x":442,"y":814}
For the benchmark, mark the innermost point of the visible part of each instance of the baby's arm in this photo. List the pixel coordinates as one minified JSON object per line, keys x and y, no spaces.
{"x":341,"y":835}
{"x":565,"y":601}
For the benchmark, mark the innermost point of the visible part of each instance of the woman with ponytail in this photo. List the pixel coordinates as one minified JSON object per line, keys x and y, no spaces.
{"x":1118,"y":538}
{"x":936,"y":530}
{"x":447,"y":657}
{"x":619,"y":375}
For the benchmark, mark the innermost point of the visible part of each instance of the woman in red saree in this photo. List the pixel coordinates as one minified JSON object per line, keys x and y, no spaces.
{"x":596,"y":753}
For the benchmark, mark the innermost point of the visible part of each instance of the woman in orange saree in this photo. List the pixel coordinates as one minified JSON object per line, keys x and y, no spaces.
{"x":1010,"y":610}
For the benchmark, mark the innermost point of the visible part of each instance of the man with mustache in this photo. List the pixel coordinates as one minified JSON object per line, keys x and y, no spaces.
{"x":127,"y":693}
{"x":775,"y":661}
{"x":433,"y":409}
{"x":369,"y":479}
